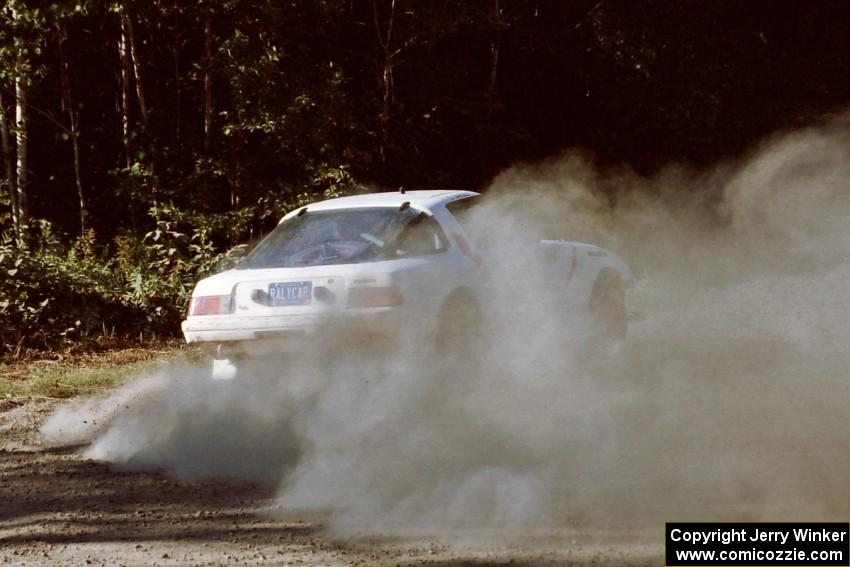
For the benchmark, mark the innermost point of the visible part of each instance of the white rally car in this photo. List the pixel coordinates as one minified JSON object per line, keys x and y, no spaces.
{"x":374,"y":264}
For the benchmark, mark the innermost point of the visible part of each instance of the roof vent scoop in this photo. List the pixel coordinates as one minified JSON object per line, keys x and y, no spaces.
{"x":404,"y":206}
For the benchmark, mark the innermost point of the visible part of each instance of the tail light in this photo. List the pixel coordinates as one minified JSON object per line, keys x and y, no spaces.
{"x":374,"y":297}
{"x":211,"y":305}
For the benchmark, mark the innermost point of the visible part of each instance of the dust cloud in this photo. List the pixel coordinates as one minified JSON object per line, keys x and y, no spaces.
{"x":728,"y":400}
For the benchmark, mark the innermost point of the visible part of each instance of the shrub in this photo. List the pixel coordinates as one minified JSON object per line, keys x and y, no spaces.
{"x":54,"y":294}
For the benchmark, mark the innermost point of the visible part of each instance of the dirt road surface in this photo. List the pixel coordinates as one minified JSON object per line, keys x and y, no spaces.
{"x":59,"y":509}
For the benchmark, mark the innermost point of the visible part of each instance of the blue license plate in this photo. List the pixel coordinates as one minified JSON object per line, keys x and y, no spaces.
{"x":291,"y":293}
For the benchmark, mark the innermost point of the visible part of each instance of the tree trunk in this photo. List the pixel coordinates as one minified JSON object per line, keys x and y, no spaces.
{"x":9,"y":163}
{"x":135,"y":58}
{"x":123,"y":53}
{"x":385,"y":41}
{"x":126,"y":71}
{"x":176,"y":54}
{"x":236,"y":144}
{"x":21,"y":124}
{"x":494,"y":60}
{"x":74,"y":130}
{"x":207,"y":82}
{"x":84,"y":213}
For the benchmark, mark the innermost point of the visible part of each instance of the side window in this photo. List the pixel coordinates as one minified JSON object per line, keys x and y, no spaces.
{"x":460,"y":209}
{"x":421,"y":237}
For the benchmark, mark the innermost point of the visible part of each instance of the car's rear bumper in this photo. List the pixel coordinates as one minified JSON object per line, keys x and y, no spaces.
{"x":225,"y":336}
{"x":211,"y":328}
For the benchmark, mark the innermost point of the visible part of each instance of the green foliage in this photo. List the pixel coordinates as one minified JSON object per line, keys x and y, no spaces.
{"x":54,"y":294}
{"x":20,"y":39}
{"x":216,"y":117}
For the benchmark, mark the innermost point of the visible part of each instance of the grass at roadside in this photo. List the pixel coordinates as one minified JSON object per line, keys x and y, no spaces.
{"x":65,"y":375}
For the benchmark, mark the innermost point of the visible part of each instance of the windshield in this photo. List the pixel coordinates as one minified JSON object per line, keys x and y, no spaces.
{"x":341,"y":236}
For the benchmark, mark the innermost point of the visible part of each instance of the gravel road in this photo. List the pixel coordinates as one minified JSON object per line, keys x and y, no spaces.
{"x":723,"y":430}
{"x":58,"y":509}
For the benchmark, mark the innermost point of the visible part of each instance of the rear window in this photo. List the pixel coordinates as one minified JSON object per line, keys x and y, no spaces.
{"x":422,"y":236}
{"x":341,"y":236}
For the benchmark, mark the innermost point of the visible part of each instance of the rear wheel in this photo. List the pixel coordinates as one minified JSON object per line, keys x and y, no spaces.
{"x":608,"y":306}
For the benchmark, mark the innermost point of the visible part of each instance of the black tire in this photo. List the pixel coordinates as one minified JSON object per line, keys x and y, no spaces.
{"x":459,"y":325}
{"x":608,"y":306}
